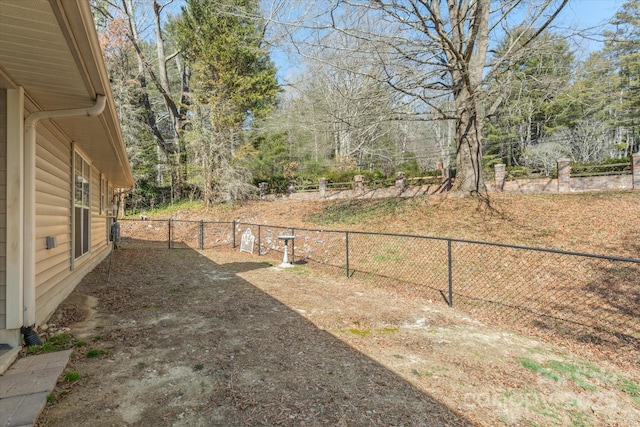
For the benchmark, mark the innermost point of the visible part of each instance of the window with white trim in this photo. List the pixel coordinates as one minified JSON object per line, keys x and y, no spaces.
{"x":111,"y":203}
{"x":82,"y":206}
{"x":103,"y":193}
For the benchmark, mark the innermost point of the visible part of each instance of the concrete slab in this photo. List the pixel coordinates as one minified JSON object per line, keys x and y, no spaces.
{"x":24,"y":387}
{"x":7,"y":357}
{"x":22,"y":410}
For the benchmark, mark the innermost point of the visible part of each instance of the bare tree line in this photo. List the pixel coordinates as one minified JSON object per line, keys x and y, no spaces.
{"x":376,"y":84}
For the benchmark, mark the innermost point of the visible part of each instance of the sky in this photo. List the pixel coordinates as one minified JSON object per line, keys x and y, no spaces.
{"x":593,"y":14}
{"x":577,"y":14}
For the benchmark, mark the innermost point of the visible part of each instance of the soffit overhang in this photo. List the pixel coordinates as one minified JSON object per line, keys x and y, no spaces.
{"x":50,"y":48}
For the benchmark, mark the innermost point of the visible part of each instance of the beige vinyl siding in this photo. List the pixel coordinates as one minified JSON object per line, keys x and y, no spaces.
{"x":3,"y":207}
{"x":53,"y":215}
{"x":56,"y":274}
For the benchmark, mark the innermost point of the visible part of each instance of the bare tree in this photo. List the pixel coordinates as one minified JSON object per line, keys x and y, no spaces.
{"x":351,"y":107}
{"x":165,"y":123}
{"x":434,"y":51}
{"x":589,"y":141}
{"x":545,"y":155}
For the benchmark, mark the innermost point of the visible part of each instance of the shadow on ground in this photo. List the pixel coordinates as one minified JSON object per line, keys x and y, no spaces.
{"x":185,"y":341}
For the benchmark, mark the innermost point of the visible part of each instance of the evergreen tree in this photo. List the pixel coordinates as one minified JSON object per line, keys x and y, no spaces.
{"x":529,"y":91}
{"x":622,"y":47}
{"x":233,"y":83}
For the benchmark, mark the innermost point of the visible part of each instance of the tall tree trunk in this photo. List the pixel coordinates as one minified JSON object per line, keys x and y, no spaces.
{"x":468,"y":180}
{"x":466,"y":73}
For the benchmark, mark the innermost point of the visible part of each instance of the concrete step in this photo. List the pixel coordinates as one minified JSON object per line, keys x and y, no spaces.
{"x":8,"y":355}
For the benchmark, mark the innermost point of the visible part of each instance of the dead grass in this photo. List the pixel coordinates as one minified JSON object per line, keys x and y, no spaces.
{"x":601,"y":223}
{"x":574,"y":295}
{"x":218,"y":337}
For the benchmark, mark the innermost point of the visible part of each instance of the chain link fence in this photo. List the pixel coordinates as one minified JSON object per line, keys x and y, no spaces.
{"x":586,"y":297}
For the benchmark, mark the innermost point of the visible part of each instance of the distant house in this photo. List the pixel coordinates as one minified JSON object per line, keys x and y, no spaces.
{"x":61,"y":156}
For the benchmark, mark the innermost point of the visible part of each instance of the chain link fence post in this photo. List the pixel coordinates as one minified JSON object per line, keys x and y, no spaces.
{"x":347,"y":250}
{"x":259,"y":251}
{"x":450,"y":268}
{"x":233,"y":233}
{"x":201,"y":234}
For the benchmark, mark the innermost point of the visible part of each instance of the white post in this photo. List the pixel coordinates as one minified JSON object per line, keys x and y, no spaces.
{"x":15,"y":209}
{"x":285,"y":260}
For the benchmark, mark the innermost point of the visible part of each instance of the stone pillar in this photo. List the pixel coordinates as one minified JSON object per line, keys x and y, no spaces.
{"x":440,"y":167}
{"x":263,"y":186}
{"x":500,"y":174}
{"x":359,"y":184}
{"x":635,"y":170}
{"x":322,"y":186}
{"x":564,"y":176}
{"x":401,"y":183}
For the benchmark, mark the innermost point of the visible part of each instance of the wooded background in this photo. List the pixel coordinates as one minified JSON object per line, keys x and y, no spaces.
{"x":364,"y":87}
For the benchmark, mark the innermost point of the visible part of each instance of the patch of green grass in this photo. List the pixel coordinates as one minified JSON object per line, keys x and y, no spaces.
{"x":355,"y":211}
{"x":389,"y":255}
{"x":365,"y":332}
{"x":93,"y":353}
{"x":198,"y":367}
{"x":51,"y":398}
{"x":71,"y":376}
{"x":507,"y":394}
{"x":561,"y":412}
{"x":359,"y":332}
{"x":585,"y":375}
{"x":421,"y":373}
{"x":578,"y":418}
{"x":532,"y":400}
{"x":574,"y":372}
{"x":56,"y":343}
{"x":534,"y":366}
{"x":630,"y":388}
{"x":60,"y":339}
{"x":302,"y":271}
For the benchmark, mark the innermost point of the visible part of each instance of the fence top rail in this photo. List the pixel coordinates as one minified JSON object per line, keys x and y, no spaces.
{"x":415,"y":236}
{"x":166,"y":220}
{"x":142,"y":220}
{"x":474,"y":242}
{"x":605,"y":166}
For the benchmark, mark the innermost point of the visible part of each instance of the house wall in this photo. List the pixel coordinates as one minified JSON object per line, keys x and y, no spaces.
{"x":57,"y":274}
{"x":3,"y":207}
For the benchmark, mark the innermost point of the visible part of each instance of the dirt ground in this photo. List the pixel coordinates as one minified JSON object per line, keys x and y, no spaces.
{"x":221,"y":338}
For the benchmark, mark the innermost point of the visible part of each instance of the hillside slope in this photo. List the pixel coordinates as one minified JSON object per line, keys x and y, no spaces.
{"x":601,"y":223}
